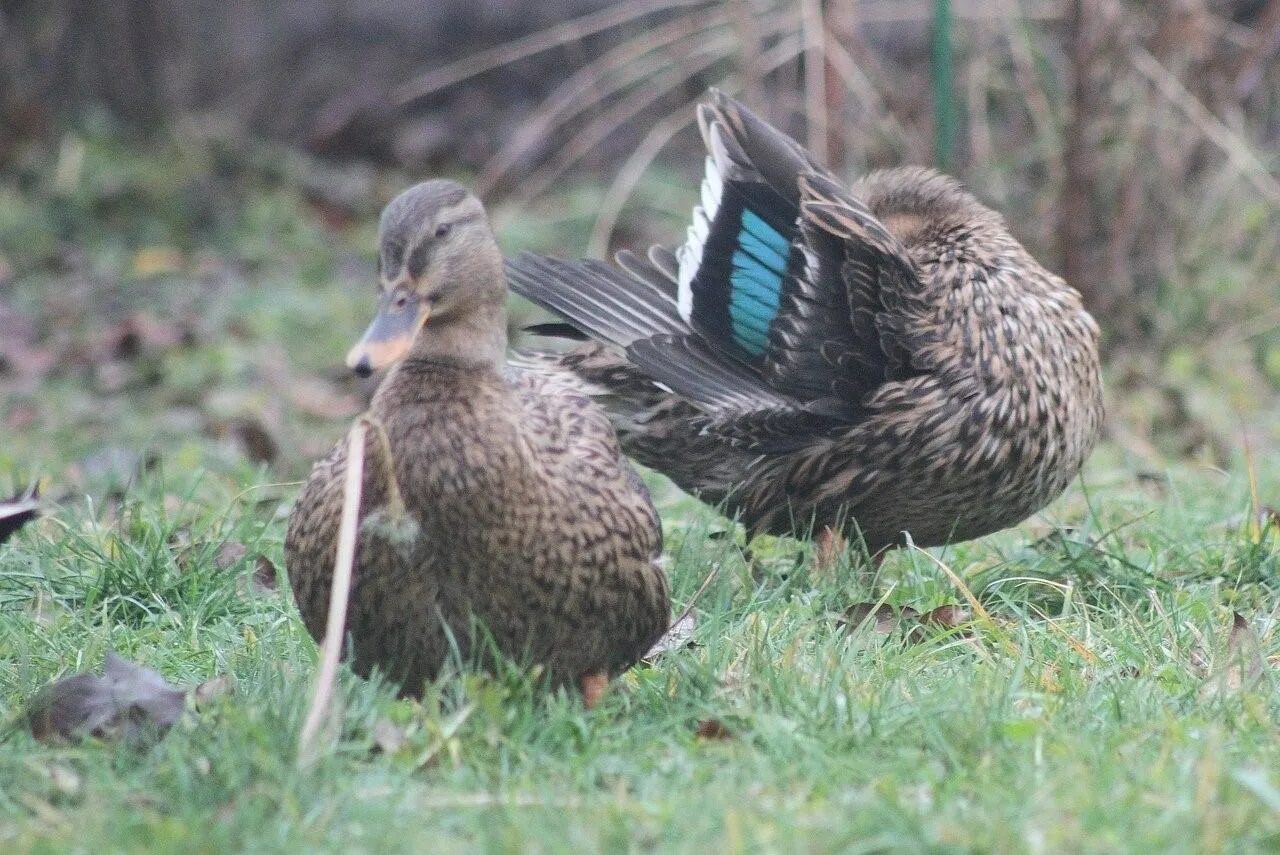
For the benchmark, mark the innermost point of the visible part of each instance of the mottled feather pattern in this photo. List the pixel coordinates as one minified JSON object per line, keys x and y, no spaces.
{"x":531,"y":528}
{"x":923,"y":372}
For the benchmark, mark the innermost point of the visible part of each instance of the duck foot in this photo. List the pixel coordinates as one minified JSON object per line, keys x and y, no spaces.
{"x":593,"y":685}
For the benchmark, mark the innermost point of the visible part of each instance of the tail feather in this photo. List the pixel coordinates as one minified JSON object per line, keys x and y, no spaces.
{"x":603,"y":302}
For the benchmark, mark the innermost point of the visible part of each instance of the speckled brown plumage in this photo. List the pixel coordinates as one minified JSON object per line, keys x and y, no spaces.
{"x":526,"y":523}
{"x":921,"y":371}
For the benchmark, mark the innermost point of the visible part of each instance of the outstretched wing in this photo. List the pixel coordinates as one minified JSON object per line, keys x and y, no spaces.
{"x":781,"y":297}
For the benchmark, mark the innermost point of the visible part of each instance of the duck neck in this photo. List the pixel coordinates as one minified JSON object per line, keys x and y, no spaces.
{"x":476,"y":337}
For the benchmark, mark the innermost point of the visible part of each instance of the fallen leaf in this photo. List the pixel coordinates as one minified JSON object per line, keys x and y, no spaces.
{"x":229,"y":554}
{"x":884,"y":618}
{"x":151,"y":261}
{"x":140,"y":333}
{"x":1244,"y":662}
{"x":17,"y":512}
{"x":20,"y":348}
{"x":64,"y":780}
{"x":713,"y":728}
{"x":677,"y":637}
{"x":253,"y":436}
{"x":947,"y":617}
{"x":213,"y":689}
{"x":127,"y":702}
{"x":388,"y":737}
{"x":265,"y":577}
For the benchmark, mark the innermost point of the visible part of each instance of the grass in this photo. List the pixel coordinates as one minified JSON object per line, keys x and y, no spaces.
{"x":1099,"y":725}
{"x":1103,"y":711}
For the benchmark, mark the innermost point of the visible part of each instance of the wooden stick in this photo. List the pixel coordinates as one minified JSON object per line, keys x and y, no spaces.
{"x":339,"y":594}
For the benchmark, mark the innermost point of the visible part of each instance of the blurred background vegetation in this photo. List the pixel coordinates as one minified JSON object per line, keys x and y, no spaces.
{"x":189,"y":189}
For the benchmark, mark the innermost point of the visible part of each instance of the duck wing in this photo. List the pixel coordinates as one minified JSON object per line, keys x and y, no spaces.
{"x":781,"y":299}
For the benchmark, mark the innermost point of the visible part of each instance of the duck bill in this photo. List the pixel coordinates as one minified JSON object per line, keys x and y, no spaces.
{"x":389,"y":336}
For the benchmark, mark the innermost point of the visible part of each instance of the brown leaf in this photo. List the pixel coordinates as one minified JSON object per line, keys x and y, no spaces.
{"x":64,"y":780}
{"x":253,"y":436}
{"x":264,"y":575}
{"x":20,"y":349}
{"x":883,"y":617}
{"x":678,"y":637}
{"x":263,"y":580}
{"x":713,"y":728}
{"x":229,"y":554}
{"x":388,"y":737}
{"x":947,"y":617}
{"x":17,"y":512}
{"x":1245,"y":663}
{"x":127,"y":702}
{"x":143,"y":332}
{"x":213,"y":689}
{"x":1245,"y":651}
{"x":153,"y":261}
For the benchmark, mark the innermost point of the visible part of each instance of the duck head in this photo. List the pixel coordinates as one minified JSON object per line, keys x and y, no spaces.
{"x":441,"y":287}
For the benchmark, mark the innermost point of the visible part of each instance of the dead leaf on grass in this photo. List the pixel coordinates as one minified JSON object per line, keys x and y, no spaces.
{"x":152,"y":261}
{"x":1244,"y":662}
{"x":713,"y":729}
{"x":947,"y":617}
{"x":229,"y":554}
{"x":253,"y":437}
{"x":213,"y":689}
{"x":678,"y":637}
{"x":264,"y":575}
{"x":886,"y":619}
{"x":127,"y":702}
{"x":388,"y":737}
{"x":263,"y":579}
{"x":881,"y":617}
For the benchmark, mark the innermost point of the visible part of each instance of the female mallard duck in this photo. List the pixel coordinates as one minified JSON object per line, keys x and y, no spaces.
{"x":874,"y":359}
{"x":497,"y":506}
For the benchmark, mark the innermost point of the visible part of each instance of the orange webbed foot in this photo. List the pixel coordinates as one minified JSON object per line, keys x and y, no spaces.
{"x":593,"y":685}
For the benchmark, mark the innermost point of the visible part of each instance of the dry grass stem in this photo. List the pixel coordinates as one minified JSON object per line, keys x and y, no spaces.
{"x":631,"y":171}
{"x":1237,"y":149}
{"x":339,"y":593}
{"x":631,"y":62}
{"x":815,"y":78}
{"x":531,"y":45}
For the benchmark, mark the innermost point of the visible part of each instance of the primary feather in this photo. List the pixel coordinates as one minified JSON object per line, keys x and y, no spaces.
{"x":882,"y":357}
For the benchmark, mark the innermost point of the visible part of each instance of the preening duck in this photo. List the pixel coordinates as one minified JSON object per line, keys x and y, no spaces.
{"x":871,"y":359}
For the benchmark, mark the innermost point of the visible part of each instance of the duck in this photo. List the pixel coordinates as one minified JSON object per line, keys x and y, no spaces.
{"x":880,"y":360}
{"x":498,"y":516}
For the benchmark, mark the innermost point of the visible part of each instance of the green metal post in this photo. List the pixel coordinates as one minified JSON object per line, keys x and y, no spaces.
{"x":942,"y":72}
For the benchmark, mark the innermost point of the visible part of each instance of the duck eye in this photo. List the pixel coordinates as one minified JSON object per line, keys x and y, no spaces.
{"x":400,"y":301}
{"x":443,"y":229}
